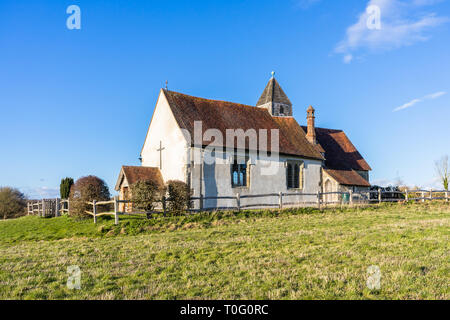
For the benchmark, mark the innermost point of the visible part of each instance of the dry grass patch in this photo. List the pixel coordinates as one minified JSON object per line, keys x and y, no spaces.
{"x":291,"y":256}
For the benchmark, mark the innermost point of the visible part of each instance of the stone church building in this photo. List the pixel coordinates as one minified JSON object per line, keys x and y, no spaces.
{"x":308,"y":160}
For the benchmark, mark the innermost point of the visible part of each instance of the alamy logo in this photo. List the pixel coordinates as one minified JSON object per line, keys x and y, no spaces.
{"x":374,"y":278}
{"x":74,"y":20}
{"x":374,"y":17}
{"x":256,"y":142}
{"x":74,"y":279}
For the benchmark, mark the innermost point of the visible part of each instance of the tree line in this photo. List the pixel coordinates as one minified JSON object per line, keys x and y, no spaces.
{"x":174,"y":196}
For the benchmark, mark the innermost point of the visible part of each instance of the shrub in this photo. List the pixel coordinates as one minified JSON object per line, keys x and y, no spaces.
{"x":12,"y":203}
{"x":87,"y":189}
{"x":179,"y":197}
{"x":64,"y":187}
{"x":144,"y":194}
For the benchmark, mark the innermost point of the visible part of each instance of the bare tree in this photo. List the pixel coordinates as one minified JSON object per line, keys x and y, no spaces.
{"x":12,"y":202}
{"x":442,"y":171}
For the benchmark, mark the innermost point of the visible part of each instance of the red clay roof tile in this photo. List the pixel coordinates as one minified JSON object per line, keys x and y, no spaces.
{"x":224,"y":115}
{"x":348,"y":178}
{"x":340,"y":153}
{"x":135,"y":174}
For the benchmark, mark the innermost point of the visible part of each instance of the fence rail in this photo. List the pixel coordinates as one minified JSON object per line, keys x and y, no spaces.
{"x":48,"y":207}
{"x":56,"y":207}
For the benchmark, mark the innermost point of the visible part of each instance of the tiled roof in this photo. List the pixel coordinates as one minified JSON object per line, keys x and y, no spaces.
{"x":224,"y":115}
{"x":295,"y":134}
{"x":135,"y":174}
{"x":273,"y":93}
{"x":340,"y":153}
{"x":348,"y":177}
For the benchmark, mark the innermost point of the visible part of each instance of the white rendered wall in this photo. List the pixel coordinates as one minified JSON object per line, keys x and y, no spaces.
{"x":217,"y":181}
{"x":164,"y":128}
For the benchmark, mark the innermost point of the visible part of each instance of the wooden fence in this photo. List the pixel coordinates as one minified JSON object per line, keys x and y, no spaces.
{"x":55,"y":207}
{"x":48,"y":207}
{"x":328,"y":198}
{"x":95,"y":205}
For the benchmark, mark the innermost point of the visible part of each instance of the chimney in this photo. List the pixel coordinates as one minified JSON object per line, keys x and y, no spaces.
{"x":311,"y":133}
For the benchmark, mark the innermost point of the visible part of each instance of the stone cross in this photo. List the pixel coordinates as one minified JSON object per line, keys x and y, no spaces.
{"x":160,"y":154}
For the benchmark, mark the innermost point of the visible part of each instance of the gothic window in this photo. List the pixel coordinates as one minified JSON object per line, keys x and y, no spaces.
{"x":294,"y":174}
{"x":289,"y":175}
{"x":239,"y":173}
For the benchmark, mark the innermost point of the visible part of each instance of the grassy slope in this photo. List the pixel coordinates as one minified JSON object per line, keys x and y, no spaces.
{"x":293,"y":256}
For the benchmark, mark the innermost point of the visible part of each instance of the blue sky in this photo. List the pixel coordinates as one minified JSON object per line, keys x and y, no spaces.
{"x":78,"y":102}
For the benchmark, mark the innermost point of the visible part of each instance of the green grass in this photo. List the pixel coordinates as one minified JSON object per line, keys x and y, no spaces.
{"x":298,"y":254}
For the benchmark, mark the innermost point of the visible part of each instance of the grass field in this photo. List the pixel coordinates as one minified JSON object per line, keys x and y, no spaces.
{"x":298,"y":254}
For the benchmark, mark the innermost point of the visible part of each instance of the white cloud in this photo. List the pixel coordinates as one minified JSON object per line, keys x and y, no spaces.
{"x":40,"y":192}
{"x":416,"y":101}
{"x":348,"y":58}
{"x":383,"y":182}
{"x":435,"y":95}
{"x":403,"y":23}
{"x":435,"y":184}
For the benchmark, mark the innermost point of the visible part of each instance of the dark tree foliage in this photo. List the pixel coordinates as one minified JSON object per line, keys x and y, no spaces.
{"x":87,"y":189}
{"x":64,"y":188}
{"x":179,"y":197}
{"x":12,"y":203}
{"x":144,"y":195}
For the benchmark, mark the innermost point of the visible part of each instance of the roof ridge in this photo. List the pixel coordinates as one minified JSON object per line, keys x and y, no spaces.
{"x":208,"y":99}
{"x":320,"y":128}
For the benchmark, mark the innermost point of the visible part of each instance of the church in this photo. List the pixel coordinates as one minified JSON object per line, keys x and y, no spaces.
{"x":301,"y":160}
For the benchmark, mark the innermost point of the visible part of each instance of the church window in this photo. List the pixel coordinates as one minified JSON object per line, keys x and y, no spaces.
{"x":290,"y":179}
{"x":295,"y":174}
{"x":239,"y":173}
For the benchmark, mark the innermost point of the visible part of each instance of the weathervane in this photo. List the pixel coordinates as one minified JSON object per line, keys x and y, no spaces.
{"x":167,"y":82}
{"x":273,"y":74}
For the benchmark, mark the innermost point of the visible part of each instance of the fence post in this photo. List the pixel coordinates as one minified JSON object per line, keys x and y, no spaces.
{"x":407,"y":195}
{"x":446,"y":196}
{"x":116,"y":209}
{"x":351,"y":197}
{"x":238,"y":201}
{"x":164,"y":205}
{"x":43,"y":208}
{"x":68,"y":206}
{"x":318,"y":200}
{"x":431,"y":194}
{"x":379,"y":196}
{"x":58,"y":204}
{"x":280,"y":200}
{"x":94,"y":205}
{"x":201,"y":202}
{"x":423,"y":196}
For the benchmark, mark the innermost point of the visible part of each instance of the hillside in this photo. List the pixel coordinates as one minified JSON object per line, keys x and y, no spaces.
{"x":296,"y":255}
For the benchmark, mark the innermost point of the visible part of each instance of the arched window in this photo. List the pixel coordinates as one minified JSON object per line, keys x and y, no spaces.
{"x":295,"y":175}
{"x":239,"y":173}
{"x":289,"y":176}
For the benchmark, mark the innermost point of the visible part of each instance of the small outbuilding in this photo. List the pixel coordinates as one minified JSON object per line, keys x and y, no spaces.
{"x":129,"y":175}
